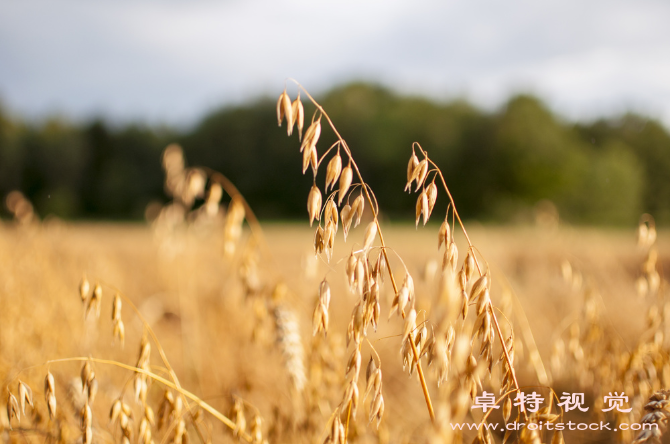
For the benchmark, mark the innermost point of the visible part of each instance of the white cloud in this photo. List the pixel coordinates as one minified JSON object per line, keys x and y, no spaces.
{"x":171,"y":60}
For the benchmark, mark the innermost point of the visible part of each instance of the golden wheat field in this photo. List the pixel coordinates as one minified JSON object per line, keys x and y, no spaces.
{"x":223,"y":344}
{"x":206,"y":325}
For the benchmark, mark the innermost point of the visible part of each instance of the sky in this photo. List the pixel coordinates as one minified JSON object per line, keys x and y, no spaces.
{"x":172,"y":61}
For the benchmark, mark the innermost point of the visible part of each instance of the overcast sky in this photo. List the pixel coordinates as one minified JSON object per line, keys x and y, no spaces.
{"x":173,"y":60}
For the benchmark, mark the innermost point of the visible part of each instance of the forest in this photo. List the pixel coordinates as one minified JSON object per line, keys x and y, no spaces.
{"x":500,"y":165}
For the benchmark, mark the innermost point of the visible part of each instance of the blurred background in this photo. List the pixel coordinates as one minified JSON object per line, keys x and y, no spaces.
{"x":563,"y":104}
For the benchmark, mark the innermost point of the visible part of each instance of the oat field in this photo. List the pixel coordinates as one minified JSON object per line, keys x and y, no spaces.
{"x":223,"y":344}
{"x":207,"y":325}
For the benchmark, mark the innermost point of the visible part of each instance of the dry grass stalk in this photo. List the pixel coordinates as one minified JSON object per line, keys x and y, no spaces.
{"x":597,"y":358}
{"x":364,"y":279}
{"x":649,"y":281}
{"x":486,"y":325}
{"x":264,"y":297}
{"x":289,"y":340}
{"x":121,"y":412}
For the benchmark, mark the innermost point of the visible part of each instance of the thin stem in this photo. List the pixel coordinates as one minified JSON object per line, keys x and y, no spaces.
{"x":381,"y":240}
{"x":323,"y":156}
{"x":375,"y":351}
{"x":471,"y":246}
{"x":422,"y":378}
{"x":234,"y":193}
{"x":346,"y":428}
{"x":543,"y":377}
{"x":218,"y":415}
{"x":374,"y":197}
{"x":161,"y":352}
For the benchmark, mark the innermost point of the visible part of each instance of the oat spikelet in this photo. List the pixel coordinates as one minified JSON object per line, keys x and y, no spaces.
{"x":410,"y":325}
{"x":357,"y":208}
{"x":311,"y":136}
{"x":419,"y":174}
{"x":95,"y":302}
{"x":298,"y":115}
{"x":313,"y":160}
{"x":240,"y":420}
{"x":180,"y":434}
{"x":431,"y":194}
{"x":314,"y":204}
{"x":345,"y":182}
{"x":354,"y":364}
{"x":12,"y":409}
{"x":320,"y":318}
{"x":333,"y":171}
{"x":280,"y":108}
{"x":331,"y":214}
{"x":319,"y":242}
{"x":405,"y":296}
{"x":411,"y":167}
{"x":656,"y":415}
{"x":256,"y":431}
{"x":444,"y":234}
{"x":119,"y":332}
{"x":84,"y":288}
{"x":288,"y":338}
{"x":422,"y":208}
{"x":50,"y":394}
{"x":233,"y":227}
{"x":646,"y":232}
{"x":115,"y":411}
{"x":117,"y":304}
{"x":144,"y":434}
{"x":306,"y":159}
{"x":336,"y":433}
{"x":284,"y":110}
{"x":85,"y":374}
{"x":370,"y":234}
{"x":25,"y":394}
{"x":377,"y":403}
{"x":478,"y":287}
{"x":469,"y":266}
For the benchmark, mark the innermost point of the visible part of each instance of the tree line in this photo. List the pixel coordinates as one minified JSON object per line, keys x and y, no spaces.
{"x":499,"y":165}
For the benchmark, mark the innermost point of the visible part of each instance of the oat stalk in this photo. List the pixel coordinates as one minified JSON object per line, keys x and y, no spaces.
{"x":373,"y":207}
{"x":174,"y":386}
{"x":163,"y":356}
{"x":471,"y":247}
{"x":234,"y":193}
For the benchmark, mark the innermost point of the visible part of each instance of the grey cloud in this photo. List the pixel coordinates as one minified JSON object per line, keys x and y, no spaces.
{"x":172,"y":60}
